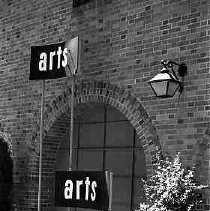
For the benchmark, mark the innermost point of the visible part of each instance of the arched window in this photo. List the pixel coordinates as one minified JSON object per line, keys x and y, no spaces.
{"x":105,"y":140}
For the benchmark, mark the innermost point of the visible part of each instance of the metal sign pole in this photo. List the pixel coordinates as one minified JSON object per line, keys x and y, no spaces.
{"x":72,"y":123}
{"x":110,"y":190}
{"x":40,"y":146}
{"x":73,"y":72}
{"x":71,"y":126}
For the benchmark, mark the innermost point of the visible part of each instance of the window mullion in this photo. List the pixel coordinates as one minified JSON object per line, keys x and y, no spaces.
{"x":104,"y":143}
{"x":133,"y":169}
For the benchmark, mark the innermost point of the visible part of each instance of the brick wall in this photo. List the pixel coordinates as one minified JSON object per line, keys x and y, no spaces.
{"x":122,"y":43}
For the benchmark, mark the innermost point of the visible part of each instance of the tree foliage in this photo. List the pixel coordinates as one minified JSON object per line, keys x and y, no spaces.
{"x":171,"y":188}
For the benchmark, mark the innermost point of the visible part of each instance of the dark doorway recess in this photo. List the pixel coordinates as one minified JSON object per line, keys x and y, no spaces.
{"x":6,"y":177}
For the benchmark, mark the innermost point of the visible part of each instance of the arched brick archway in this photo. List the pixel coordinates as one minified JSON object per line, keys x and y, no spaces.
{"x":57,"y":123}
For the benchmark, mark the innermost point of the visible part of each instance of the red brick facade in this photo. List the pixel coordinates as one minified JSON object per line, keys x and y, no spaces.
{"x":122,"y":45}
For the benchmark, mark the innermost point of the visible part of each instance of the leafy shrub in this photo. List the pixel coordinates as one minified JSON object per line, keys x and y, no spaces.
{"x":171,"y":188}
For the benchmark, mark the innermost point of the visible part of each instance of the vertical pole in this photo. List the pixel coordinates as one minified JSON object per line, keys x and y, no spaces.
{"x":72,"y":123}
{"x":40,"y":146}
{"x":71,"y":126}
{"x":110,"y":190}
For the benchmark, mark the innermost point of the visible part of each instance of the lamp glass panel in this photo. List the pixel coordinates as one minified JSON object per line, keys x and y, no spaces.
{"x":160,"y":87}
{"x":172,"y":87}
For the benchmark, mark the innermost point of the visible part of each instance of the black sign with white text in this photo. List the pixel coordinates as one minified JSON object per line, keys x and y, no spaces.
{"x":86,"y":189}
{"x":48,"y":61}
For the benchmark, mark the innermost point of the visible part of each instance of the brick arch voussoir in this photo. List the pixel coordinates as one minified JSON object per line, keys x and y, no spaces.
{"x":87,"y":91}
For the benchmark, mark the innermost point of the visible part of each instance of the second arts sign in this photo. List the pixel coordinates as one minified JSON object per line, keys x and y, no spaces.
{"x":86,"y":189}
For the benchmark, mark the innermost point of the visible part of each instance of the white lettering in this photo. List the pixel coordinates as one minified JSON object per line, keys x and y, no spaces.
{"x":65,"y":61}
{"x":43,"y":62}
{"x":78,"y":184}
{"x":59,"y":52}
{"x":68,"y":191}
{"x":73,"y":189}
{"x":51,"y":59}
{"x":93,"y":186}
{"x":87,"y":184}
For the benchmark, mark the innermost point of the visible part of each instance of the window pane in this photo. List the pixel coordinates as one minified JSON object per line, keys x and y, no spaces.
{"x":90,"y":160}
{"x":114,"y":115}
{"x":119,"y":134}
{"x":119,"y":161}
{"x":140,"y":168}
{"x":121,"y":190}
{"x":138,"y":192}
{"x":93,"y":112}
{"x":59,"y":209}
{"x":81,"y":209}
{"x":121,"y":207}
{"x":92,"y":135}
{"x":62,"y":160}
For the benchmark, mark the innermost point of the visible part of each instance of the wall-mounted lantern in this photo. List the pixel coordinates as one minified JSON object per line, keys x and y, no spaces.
{"x":166,"y":83}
